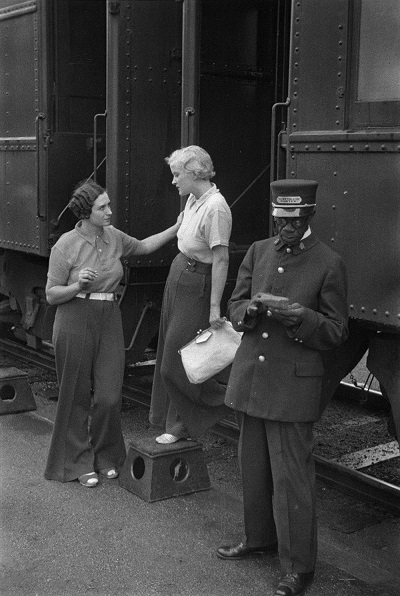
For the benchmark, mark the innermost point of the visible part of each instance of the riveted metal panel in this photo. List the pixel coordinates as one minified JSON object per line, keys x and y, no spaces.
{"x":18,"y":45}
{"x":358,"y":207}
{"x":241,"y":73}
{"x":52,"y":80}
{"x":358,"y":215}
{"x":20,"y":228}
{"x":143,"y":123}
{"x":316,"y":73}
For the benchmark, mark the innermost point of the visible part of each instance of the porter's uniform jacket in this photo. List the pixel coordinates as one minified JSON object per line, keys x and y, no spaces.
{"x":277,"y":372}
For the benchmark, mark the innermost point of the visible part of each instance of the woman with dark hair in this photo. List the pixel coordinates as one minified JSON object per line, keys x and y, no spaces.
{"x":192,"y":300}
{"x":84,"y":272}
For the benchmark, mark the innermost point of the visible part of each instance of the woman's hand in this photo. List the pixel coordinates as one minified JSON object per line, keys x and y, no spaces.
{"x":86,"y":277}
{"x":216,"y":321}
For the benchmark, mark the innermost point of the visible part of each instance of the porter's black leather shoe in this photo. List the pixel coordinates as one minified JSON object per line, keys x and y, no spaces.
{"x":294,"y":584}
{"x":241,"y":551}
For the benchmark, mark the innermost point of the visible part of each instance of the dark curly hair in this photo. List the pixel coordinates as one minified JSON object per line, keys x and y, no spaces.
{"x":83,"y":197}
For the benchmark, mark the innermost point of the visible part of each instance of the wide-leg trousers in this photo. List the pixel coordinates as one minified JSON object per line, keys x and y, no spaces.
{"x":89,"y":350}
{"x":183,"y":407}
{"x":279,"y":494}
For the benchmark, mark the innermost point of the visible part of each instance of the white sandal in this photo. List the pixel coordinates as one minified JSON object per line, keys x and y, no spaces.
{"x":89,"y":480}
{"x":109,"y":473}
{"x":167,"y":439}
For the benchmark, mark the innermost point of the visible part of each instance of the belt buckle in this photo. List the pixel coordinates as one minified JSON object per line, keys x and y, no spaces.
{"x":191,"y":265}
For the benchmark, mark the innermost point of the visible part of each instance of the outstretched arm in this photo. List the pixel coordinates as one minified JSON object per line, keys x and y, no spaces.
{"x":153,"y":243}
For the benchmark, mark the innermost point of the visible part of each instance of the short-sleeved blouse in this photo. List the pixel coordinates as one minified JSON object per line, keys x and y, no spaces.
{"x":207,"y":222}
{"x":75,"y":251}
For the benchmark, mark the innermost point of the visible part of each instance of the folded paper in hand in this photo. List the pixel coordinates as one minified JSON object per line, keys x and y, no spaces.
{"x":210,"y":352}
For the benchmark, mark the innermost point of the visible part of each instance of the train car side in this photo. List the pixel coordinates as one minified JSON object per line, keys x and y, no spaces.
{"x":211,"y":77}
{"x":53,"y":79}
{"x":344,"y":130}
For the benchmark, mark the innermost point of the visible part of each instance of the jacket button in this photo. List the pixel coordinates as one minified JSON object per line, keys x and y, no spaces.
{"x":288,"y":250}
{"x":281,"y":270}
{"x":265,"y":335}
{"x":261,"y":358}
{"x":239,"y":322}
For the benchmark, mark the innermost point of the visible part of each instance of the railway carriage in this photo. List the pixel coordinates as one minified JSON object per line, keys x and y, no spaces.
{"x":271,"y":88}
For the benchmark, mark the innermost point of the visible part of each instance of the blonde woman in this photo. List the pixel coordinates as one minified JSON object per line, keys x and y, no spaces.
{"x":192,"y":299}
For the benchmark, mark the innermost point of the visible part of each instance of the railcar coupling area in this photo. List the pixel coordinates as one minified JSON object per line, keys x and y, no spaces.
{"x":63,"y":539}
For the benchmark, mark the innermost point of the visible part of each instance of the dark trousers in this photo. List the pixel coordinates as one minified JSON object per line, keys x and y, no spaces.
{"x":279,"y":496}
{"x":183,"y":407}
{"x":89,"y":350}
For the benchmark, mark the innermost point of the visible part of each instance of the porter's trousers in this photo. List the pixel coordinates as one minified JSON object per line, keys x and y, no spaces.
{"x":279,"y":495}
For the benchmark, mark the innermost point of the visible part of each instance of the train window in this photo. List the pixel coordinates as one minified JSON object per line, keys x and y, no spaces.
{"x":376,"y":58}
{"x":379,"y":57}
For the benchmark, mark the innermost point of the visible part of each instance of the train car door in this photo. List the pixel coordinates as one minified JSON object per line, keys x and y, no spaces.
{"x":143,"y":106}
{"x":22,"y":170}
{"x":144,"y":61}
{"x":52,"y":77}
{"x":234,"y":69}
{"x":209,"y":78}
{"x":76,"y":99}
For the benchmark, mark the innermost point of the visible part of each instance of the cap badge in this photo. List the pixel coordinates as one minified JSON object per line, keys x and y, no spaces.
{"x":294,"y":200}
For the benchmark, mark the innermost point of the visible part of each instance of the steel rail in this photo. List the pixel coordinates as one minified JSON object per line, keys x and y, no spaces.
{"x":362,"y":486}
{"x":43,"y":358}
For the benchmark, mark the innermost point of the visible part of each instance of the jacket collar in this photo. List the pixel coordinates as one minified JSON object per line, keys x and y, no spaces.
{"x":304,"y":244}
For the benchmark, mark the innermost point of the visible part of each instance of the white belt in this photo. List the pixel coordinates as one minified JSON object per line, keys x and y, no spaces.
{"x":98,"y":296}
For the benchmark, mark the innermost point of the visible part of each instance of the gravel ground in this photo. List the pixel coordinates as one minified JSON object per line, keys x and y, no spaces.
{"x":349,"y":530}
{"x":344,"y":428}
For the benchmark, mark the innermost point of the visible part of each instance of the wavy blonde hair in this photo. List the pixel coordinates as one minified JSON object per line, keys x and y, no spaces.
{"x":193,"y":159}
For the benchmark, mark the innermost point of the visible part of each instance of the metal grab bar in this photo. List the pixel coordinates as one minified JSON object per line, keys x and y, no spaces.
{"x":95,"y":166}
{"x":273,"y":134}
{"x":191,"y":23}
{"x":40,"y":214}
{"x":147,"y":307}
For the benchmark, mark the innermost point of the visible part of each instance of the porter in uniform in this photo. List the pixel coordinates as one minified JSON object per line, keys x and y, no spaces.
{"x":290,"y":302}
